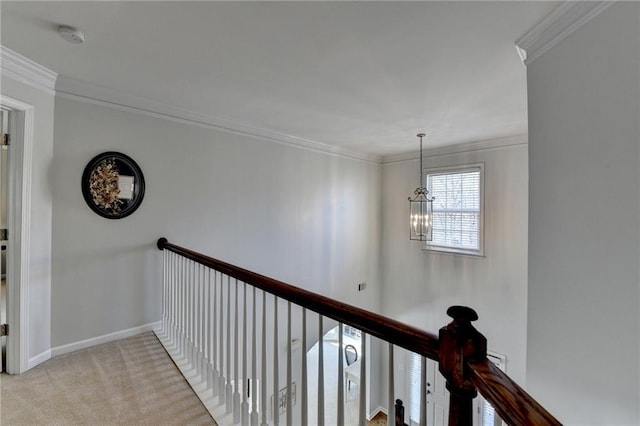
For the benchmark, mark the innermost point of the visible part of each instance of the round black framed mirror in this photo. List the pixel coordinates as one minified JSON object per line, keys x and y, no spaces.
{"x":113,"y":185}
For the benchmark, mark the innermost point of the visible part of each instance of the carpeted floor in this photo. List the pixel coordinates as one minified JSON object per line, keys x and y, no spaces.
{"x":129,"y":382}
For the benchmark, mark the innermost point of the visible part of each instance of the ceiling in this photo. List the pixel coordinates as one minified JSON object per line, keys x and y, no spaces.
{"x":361,"y":76}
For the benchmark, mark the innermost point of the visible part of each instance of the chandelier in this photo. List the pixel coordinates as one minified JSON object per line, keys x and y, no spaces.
{"x":421,"y":208}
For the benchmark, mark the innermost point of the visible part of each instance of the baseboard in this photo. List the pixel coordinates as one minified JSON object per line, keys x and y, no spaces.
{"x":376,"y":411}
{"x":106,"y":338}
{"x":39,"y":359}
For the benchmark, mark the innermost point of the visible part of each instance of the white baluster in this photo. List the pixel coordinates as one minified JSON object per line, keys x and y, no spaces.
{"x":206,"y":303}
{"x":236,"y":376}
{"x":194,"y":315}
{"x":263,"y":372}
{"x":203,"y":326}
{"x":254,"y":365}
{"x":193,"y":310}
{"x":164,"y":292}
{"x":289,"y":386}
{"x":187,"y":315}
{"x":190,"y":311}
{"x":276,"y":372}
{"x":215,"y":386}
{"x":201,"y":322}
{"x":320,"y":372}
{"x":197,"y":315}
{"x":174,"y":300}
{"x":340,"y":420}
{"x":213,"y":343}
{"x":220,"y":340}
{"x":229,"y":389}
{"x":390,"y":390}
{"x":245,"y":403}
{"x":176,"y":303}
{"x":183,"y":308}
{"x":304,"y":405}
{"x":423,"y":391}
{"x":172,"y":287}
{"x":362,"y":386}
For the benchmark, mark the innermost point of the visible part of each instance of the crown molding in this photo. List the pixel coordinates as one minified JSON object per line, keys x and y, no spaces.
{"x":484,"y":145}
{"x":70,"y":88}
{"x":557,"y":26}
{"x":24,"y":70}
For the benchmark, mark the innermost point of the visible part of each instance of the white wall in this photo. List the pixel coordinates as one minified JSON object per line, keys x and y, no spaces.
{"x":307,"y":218}
{"x":38,"y":289}
{"x":420,"y":285}
{"x":584,"y":229}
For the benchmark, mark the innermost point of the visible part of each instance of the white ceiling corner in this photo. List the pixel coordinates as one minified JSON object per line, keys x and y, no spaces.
{"x":557,"y":26}
{"x":24,"y":70}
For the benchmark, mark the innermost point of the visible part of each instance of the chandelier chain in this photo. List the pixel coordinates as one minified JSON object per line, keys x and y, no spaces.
{"x":421,"y":185}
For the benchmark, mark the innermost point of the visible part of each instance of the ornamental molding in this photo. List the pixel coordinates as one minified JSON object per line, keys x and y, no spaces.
{"x":461,"y":148}
{"x":81,"y":91}
{"x":557,"y":26}
{"x":24,"y":70}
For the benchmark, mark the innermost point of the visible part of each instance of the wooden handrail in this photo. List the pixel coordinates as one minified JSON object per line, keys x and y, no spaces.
{"x":403,"y":335}
{"x":460,"y":349}
{"x":511,"y":402}
{"x":463,"y":362}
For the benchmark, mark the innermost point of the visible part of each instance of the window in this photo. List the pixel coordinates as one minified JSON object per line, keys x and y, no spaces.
{"x":457,"y":209}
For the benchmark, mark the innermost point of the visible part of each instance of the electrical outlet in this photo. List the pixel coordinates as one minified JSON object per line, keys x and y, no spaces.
{"x":362,"y":286}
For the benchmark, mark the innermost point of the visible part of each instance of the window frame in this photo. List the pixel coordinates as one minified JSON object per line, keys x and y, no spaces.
{"x":461,"y":168}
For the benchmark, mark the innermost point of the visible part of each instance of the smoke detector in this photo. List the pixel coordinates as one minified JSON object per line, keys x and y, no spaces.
{"x":71,"y":34}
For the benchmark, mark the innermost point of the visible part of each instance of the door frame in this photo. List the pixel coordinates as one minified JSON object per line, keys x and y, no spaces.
{"x":18,"y":222}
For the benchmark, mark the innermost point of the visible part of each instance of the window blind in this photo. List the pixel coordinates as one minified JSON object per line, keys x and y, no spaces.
{"x":456,"y":209}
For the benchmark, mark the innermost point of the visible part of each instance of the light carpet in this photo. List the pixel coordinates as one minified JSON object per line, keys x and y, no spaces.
{"x":128,"y":382}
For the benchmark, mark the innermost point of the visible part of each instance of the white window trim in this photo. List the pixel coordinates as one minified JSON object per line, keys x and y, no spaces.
{"x":428,"y":246}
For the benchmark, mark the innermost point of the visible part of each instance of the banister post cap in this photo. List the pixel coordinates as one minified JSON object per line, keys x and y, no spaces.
{"x":162,"y":242}
{"x":459,"y":343}
{"x":462,"y":313}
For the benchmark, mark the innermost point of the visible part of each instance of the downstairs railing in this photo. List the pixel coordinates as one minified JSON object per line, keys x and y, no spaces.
{"x":222,"y":326}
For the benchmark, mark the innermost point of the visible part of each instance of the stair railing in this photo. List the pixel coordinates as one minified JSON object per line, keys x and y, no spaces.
{"x":216,"y":316}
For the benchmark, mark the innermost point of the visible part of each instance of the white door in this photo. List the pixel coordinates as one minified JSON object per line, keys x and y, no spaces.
{"x":437,"y":396}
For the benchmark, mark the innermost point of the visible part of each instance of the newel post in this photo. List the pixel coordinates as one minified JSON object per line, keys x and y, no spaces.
{"x":399,"y":408}
{"x":162,"y":243}
{"x":460,"y":341}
